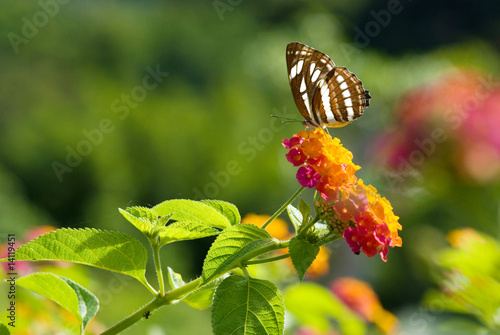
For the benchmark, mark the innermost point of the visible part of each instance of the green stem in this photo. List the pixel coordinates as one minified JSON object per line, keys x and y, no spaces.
{"x":134,"y":318}
{"x":282,"y":208}
{"x":182,"y":291}
{"x":156,"y":303}
{"x":149,"y":287}
{"x":245,"y":271}
{"x":270,"y":259}
{"x":159,"y":272}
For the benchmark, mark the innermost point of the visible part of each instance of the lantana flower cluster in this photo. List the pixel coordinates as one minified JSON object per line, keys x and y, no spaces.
{"x":352,"y":209}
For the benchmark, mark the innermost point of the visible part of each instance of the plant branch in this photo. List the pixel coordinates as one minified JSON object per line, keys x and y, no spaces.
{"x":156,"y":303}
{"x":159,"y":272}
{"x":282,"y":208}
{"x":267,"y":260}
{"x":134,"y":318}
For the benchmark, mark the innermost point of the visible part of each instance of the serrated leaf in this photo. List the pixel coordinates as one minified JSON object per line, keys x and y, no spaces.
{"x":295,"y":216}
{"x":247,"y":306}
{"x":315,"y":306}
{"x":302,"y":254}
{"x":3,"y":329}
{"x":107,"y":250}
{"x":304,"y":208}
{"x":233,"y":245}
{"x":190,"y":210}
{"x":143,"y":212}
{"x":185,"y":230}
{"x":227,"y":209}
{"x":141,"y":223}
{"x":70,"y":295}
{"x":163,"y":220}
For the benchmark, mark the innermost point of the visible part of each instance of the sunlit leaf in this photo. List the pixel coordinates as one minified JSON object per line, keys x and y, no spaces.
{"x":233,"y":245}
{"x":247,"y":306}
{"x":295,"y":216}
{"x":227,"y":209}
{"x":190,"y":210}
{"x":202,"y":298}
{"x":70,"y":295}
{"x":185,"y":230}
{"x":174,"y":279}
{"x":107,"y":250}
{"x":143,"y":223}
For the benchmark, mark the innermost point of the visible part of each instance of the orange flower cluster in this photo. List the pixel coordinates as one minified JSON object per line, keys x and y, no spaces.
{"x":324,"y":163}
{"x":352,"y":209}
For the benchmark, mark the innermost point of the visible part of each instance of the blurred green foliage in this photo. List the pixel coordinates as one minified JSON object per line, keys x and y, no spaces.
{"x":206,"y":127}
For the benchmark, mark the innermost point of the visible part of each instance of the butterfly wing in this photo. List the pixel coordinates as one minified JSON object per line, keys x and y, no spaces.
{"x":306,"y":68}
{"x":340,"y":98}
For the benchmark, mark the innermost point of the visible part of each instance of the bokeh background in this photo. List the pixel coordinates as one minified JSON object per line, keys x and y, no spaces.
{"x":108,"y":104}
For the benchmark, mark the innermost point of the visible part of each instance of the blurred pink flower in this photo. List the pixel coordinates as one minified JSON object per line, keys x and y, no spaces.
{"x":23,"y":267}
{"x":463,"y":107}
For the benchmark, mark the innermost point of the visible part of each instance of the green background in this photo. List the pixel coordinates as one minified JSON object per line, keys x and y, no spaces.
{"x":205,"y":131}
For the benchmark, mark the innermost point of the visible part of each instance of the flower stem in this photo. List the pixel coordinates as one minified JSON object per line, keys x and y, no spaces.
{"x":282,"y":208}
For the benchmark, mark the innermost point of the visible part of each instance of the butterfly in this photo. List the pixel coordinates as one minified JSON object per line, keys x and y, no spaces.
{"x":326,"y":95}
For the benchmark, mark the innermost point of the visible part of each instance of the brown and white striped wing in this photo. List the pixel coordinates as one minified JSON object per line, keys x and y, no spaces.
{"x":326,"y":95}
{"x":306,"y":67}
{"x":340,"y":98}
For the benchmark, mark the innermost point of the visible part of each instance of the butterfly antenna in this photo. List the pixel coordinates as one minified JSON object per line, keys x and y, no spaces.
{"x":285,"y":119}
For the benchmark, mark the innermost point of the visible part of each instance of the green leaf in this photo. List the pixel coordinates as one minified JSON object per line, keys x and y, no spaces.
{"x":247,"y":306}
{"x":174,"y":279}
{"x":315,"y":306}
{"x":227,"y":209}
{"x":295,"y":216}
{"x":143,"y":223}
{"x":185,"y":230}
{"x":302,"y":254}
{"x":70,"y":295}
{"x":163,"y":220}
{"x":143,"y":212}
{"x":3,"y":329}
{"x":234,"y":245}
{"x":202,"y":298}
{"x":190,"y":210}
{"x":304,"y":208}
{"x":107,"y":250}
